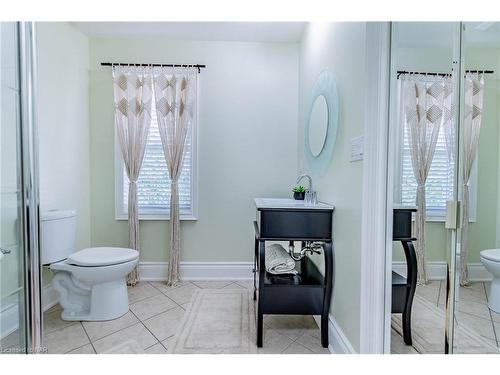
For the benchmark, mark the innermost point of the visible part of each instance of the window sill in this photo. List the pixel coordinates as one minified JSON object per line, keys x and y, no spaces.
{"x":157,"y":218}
{"x":436,"y":219}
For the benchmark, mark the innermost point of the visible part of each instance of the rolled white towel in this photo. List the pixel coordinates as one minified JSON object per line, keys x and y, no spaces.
{"x":278,"y":261}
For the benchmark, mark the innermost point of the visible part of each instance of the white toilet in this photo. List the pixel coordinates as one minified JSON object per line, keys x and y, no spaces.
{"x":91,"y":282}
{"x":491,"y":260}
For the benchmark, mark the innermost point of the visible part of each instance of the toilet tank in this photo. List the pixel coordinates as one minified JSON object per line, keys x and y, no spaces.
{"x":57,"y":235}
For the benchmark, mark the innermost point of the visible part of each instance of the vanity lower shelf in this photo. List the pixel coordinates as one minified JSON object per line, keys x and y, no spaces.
{"x":308,"y":276}
{"x":301,"y":294}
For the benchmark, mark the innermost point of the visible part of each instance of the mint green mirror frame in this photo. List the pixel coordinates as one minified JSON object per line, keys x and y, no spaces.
{"x":324,"y":86}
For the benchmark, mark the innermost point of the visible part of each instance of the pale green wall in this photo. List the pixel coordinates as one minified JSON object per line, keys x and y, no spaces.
{"x":339,"y":48}
{"x":63,"y":124}
{"x":247,"y":142}
{"x":482,"y":232}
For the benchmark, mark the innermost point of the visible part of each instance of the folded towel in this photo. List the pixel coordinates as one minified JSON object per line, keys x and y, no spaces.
{"x":278,"y":261}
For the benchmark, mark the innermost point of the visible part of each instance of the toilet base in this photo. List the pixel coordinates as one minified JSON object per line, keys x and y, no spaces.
{"x":99,"y":302}
{"x":494,"y":295}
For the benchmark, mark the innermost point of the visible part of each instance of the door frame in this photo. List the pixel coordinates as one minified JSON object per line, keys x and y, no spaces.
{"x":30,"y":195}
{"x":374,"y":317}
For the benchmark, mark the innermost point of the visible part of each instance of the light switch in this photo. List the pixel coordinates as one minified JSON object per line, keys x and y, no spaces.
{"x":357,"y":148}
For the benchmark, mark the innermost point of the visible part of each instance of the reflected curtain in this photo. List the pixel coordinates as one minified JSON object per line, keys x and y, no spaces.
{"x":423,"y":101}
{"x":175,"y":90}
{"x":473,"y":108}
{"x":132,"y":102}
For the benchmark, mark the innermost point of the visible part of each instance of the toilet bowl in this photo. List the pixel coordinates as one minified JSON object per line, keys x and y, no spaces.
{"x":91,"y":282}
{"x":491,"y":260}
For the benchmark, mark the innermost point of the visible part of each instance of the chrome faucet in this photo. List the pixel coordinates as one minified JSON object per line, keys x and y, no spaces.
{"x":310,"y":191}
{"x":308,"y":178}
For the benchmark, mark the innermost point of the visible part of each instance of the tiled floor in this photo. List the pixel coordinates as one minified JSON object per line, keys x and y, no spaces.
{"x":155,"y":312}
{"x":471,"y":310}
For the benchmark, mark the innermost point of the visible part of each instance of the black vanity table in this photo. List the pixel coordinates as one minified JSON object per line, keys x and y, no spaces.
{"x":308,"y":292}
{"x":403,"y":288}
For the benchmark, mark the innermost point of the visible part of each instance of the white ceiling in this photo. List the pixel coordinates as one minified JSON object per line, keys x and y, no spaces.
{"x":207,"y":31}
{"x":440,"y":34}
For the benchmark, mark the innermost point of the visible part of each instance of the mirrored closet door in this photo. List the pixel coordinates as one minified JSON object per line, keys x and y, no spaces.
{"x":424,"y":93}
{"x":477,"y":261}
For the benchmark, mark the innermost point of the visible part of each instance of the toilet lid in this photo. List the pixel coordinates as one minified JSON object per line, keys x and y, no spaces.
{"x":102,"y":256}
{"x":491,"y":254}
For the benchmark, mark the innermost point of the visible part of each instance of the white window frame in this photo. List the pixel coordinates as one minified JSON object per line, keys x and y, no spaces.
{"x":160,"y":214}
{"x":433,"y":215}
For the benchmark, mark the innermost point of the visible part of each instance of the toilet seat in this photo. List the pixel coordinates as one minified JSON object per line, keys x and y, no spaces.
{"x":102,"y":256}
{"x":491,"y":254}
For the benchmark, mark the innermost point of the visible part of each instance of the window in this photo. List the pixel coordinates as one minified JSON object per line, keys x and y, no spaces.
{"x":153,"y":185}
{"x":439,"y":184}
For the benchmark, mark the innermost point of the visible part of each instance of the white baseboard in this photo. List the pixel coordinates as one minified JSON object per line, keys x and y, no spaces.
{"x":477,"y":272}
{"x":49,"y":297}
{"x":9,"y":320}
{"x":157,"y":271}
{"x":437,"y":271}
{"x":339,"y":343}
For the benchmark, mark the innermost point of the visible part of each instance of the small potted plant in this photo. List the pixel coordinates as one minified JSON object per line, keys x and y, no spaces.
{"x":299,"y":192}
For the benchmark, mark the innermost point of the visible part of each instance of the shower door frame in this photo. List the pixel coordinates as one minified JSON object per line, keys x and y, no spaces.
{"x":29,"y":149}
{"x":29,"y":187}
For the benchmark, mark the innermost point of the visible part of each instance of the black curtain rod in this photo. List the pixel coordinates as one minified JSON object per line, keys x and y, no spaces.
{"x":171,"y":65}
{"x":401,"y":72}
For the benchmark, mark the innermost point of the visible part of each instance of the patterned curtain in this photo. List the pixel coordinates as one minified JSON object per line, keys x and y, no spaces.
{"x":423,"y":100}
{"x":175,"y":93}
{"x":473,"y":109}
{"x":132,"y":97}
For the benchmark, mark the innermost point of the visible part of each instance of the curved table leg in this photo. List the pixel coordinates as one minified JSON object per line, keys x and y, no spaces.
{"x":329,"y":270}
{"x":411,"y":265}
{"x":262,"y":270}
{"x":255,"y":268}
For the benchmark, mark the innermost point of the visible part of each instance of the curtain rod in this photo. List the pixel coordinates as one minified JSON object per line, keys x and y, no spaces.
{"x":402,"y":72}
{"x":142,"y":64}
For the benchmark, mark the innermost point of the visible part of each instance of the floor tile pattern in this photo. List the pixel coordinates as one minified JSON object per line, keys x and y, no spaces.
{"x":156,"y":311}
{"x":471,"y":310}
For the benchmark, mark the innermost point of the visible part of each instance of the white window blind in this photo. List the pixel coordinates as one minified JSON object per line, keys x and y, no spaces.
{"x":439,"y":184}
{"x":153,"y":185}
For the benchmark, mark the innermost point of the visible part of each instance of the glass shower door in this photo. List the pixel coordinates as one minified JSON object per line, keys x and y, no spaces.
{"x":12,"y":283}
{"x":20,"y":293}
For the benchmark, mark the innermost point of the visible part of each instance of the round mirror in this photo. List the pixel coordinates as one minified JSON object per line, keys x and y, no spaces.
{"x":321,"y":123}
{"x":318,"y":125}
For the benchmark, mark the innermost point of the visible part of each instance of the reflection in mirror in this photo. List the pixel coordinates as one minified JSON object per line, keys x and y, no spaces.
{"x":422,"y":58}
{"x":479,"y":186}
{"x":318,"y":125}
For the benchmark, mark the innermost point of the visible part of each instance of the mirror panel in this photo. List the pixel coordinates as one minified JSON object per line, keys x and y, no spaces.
{"x":318,"y":125}
{"x":321,"y":123}
{"x":421,"y":82}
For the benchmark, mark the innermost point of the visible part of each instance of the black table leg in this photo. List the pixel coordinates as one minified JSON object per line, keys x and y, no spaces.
{"x":411,"y":266}
{"x":329,"y":269}
{"x":255,"y":268}
{"x":262,"y":270}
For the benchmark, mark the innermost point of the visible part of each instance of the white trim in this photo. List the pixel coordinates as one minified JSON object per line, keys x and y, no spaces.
{"x":157,"y":271}
{"x":437,"y":271}
{"x":9,"y":315}
{"x":373,"y":241}
{"x":9,"y":319}
{"x":339,"y":343}
{"x":49,"y":297}
{"x":477,"y":272}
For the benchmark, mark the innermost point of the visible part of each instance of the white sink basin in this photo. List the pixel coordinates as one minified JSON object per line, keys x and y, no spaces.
{"x":262,"y":203}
